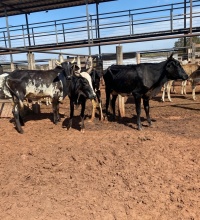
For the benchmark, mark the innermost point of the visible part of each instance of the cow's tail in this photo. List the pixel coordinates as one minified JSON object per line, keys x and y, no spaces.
{"x":14,"y":94}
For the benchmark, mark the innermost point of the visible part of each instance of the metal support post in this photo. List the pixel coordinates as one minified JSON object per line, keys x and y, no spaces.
{"x":88,"y":26}
{"x":8,"y":34}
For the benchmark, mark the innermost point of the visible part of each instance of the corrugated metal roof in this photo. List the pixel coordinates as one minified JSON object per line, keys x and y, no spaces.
{"x":16,"y":7}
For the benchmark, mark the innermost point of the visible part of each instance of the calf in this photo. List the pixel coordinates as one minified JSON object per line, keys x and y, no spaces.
{"x":144,"y":81}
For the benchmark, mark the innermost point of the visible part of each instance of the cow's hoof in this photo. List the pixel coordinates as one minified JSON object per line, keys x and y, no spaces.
{"x":101,"y":119}
{"x":21,"y":131}
{"x":91,"y":120}
{"x":83,"y":131}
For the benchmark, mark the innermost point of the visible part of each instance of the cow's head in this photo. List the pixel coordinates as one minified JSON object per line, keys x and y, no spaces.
{"x":174,"y":70}
{"x":95,"y":76}
{"x":69,"y":68}
{"x":84,"y":86}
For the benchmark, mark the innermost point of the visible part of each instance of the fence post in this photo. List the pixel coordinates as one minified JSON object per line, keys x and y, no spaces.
{"x":138,"y":58}
{"x":31,"y":61}
{"x":119,"y":60}
{"x":60,"y":58}
{"x":52,"y":64}
{"x":12,"y":67}
{"x":193,"y":52}
{"x":79,"y":63}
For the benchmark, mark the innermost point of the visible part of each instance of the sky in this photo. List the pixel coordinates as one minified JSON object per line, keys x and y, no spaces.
{"x":103,"y":8}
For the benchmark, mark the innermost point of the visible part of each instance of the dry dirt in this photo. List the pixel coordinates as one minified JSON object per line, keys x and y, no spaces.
{"x":111,"y":172}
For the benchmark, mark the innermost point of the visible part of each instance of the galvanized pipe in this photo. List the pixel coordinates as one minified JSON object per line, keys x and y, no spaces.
{"x":100,"y":44}
{"x":191,"y":22}
{"x":88,"y":27}
{"x":98,"y":30}
{"x":27,"y":27}
{"x":8,"y":33}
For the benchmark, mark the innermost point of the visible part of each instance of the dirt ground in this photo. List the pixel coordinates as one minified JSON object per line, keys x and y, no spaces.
{"x":110,"y":172}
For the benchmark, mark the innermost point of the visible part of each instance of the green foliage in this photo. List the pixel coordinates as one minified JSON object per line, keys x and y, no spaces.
{"x":180,"y":42}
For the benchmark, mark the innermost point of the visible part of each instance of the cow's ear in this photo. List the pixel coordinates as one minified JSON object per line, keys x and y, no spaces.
{"x":171,"y":56}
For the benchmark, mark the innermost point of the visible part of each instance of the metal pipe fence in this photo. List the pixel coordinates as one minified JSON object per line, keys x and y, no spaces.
{"x":113,"y":24}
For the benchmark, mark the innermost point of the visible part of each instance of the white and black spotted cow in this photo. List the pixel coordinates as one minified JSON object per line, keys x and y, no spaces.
{"x":56,"y":84}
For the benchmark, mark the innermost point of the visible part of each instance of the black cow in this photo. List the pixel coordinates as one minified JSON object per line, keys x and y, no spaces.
{"x":144,"y":81}
{"x":77,"y":97}
{"x":36,"y":84}
{"x":96,"y":78}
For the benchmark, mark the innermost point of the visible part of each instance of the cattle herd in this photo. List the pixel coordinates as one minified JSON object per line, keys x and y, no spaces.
{"x":143,"y":81}
{"x":193,"y":71}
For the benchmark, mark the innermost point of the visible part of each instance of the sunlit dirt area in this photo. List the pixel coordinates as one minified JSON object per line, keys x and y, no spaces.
{"x":110,"y":172}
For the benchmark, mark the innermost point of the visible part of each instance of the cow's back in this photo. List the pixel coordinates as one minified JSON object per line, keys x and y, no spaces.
{"x":133,"y":78}
{"x":36,"y":84}
{"x":33,"y":74}
{"x":190,"y":68}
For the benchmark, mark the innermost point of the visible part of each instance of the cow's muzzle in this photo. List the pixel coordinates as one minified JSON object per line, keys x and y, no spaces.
{"x":92,"y":96}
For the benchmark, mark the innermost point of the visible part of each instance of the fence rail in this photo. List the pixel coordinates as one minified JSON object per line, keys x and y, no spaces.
{"x":115,"y":24}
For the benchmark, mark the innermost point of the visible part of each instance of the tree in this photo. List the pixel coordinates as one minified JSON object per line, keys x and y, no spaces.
{"x":180,"y":42}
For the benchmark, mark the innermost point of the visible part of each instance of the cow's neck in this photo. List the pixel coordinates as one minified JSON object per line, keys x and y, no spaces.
{"x":156,"y":87}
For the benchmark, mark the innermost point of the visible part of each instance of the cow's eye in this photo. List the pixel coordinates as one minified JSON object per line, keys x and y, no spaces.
{"x":168,"y":65}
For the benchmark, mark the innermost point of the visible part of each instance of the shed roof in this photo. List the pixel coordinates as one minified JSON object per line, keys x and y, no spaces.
{"x":16,"y":7}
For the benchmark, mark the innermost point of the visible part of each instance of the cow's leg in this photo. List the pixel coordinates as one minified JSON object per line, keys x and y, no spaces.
{"x":71,"y":114}
{"x":193,"y":91}
{"x":113,"y":101}
{"x":163,"y":95}
{"x":147,"y":108}
{"x":17,"y":117}
{"x":55,"y":106}
{"x":138,"y":111}
{"x":21,"y":119}
{"x":169,"y":85}
{"x":98,"y":94}
{"x":82,"y":116}
{"x":94,"y":106}
{"x":107,"y":100}
{"x":183,"y":87}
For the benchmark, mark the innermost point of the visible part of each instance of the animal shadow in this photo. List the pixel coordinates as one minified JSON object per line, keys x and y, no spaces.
{"x":76,"y":121}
